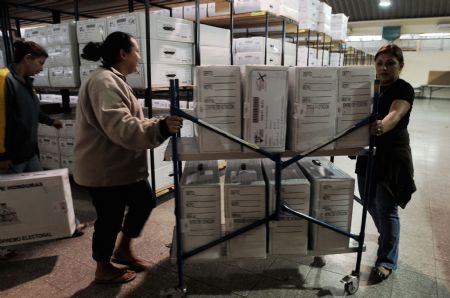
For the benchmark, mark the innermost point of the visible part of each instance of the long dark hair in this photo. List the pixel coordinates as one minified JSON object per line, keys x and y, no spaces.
{"x":392,"y":49}
{"x":109,"y":50}
{"x":23,"y":48}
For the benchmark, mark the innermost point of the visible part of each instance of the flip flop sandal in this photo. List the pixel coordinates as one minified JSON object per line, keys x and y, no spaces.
{"x":381,"y":272}
{"x":136,"y":265}
{"x":123,"y":277}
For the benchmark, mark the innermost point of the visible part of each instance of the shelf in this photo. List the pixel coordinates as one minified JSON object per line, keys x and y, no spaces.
{"x":188,"y":150}
{"x":244,"y":20}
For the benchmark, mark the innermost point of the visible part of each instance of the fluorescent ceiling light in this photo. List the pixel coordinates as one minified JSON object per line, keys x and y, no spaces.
{"x":384,"y":3}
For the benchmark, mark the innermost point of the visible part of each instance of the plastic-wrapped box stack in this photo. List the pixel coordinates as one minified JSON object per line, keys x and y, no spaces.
{"x":200,"y":207}
{"x":289,"y":54}
{"x":324,"y":24}
{"x":215,"y":47}
{"x":218,"y":102}
{"x":245,"y":203}
{"x":39,"y":36}
{"x":339,"y":24}
{"x":308,"y":14}
{"x":90,"y":30}
{"x":354,"y":104}
{"x":171,"y":47}
{"x":288,"y":235}
{"x":306,"y":57}
{"x":63,"y":61}
{"x":331,"y":201}
{"x":312,"y":100}
{"x":251,"y":50}
{"x":265,"y":96}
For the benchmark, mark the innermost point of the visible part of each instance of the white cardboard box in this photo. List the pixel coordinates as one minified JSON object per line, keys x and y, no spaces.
{"x":161,"y":75}
{"x":68,"y":128}
{"x":215,"y":55}
{"x":61,"y":34}
{"x":64,"y":76}
{"x":91,"y":30}
{"x":242,"y":6}
{"x":66,"y":146}
{"x":257,"y":44}
{"x":288,"y":235}
{"x":218,"y":102}
{"x":170,"y":52}
{"x":35,"y":206}
{"x":331,"y":201}
{"x":47,"y":131}
{"x":200,"y":207}
{"x":67,"y":163}
{"x":189,"y":11}
{"x":214,"y":36}
{"x":212,"y":10}
{"x":161,"y":27}
{"x":265,"y":96}
{"x":48,"y":144}
{"x":257,"y":58}
{"x":38,"y":35}
{"x":50,"y":160}
{"x":86,"y":70}
{"x":63,"y":55}
{"x":245,"y":203}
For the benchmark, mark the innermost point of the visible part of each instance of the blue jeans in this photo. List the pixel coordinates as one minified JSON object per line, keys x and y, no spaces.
{"x":384,"y":212}
{"x":32,"y":165}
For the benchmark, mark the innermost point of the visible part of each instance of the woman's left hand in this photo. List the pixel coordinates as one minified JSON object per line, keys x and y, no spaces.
{"x":174,"y":124}
{"x":377,"y":128}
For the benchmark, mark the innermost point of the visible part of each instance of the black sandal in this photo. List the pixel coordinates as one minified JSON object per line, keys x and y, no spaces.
{"x":381,"y":273}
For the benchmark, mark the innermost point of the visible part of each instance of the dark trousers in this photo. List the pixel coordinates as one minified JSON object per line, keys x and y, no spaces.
{"x":110,"y":204}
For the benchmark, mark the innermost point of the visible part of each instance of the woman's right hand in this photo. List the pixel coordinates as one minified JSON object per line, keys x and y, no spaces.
{"x":174,"y":124}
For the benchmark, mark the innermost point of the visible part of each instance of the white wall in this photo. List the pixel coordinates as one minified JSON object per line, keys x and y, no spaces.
{"x":418,"y":64}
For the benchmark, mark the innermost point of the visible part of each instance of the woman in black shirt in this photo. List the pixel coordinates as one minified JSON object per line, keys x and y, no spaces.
{"x":393,"y":179}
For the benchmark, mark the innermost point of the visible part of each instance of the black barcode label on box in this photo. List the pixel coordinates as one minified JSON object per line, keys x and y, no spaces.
{"x":255,"y":110}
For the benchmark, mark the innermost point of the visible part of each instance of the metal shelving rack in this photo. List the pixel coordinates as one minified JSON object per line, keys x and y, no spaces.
{"x":351,"y":281}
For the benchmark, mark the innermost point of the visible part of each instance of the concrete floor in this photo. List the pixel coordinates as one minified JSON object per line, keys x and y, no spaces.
{"x":64,"y":268}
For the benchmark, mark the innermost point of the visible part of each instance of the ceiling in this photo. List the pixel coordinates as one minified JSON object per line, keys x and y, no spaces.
{"x":357,"y":10}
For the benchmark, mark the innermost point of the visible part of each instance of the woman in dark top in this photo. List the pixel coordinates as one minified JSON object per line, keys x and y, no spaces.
{"x":393,"y":181}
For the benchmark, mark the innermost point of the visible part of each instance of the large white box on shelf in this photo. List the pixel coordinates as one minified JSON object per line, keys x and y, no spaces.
{"x":257,"y":58}
{"x":289,"y":60}
{"x":289,"y":9}
{"x":257,"y":44}
{"x":86,"y":70}
{"x":324,"y":57}
{"x":336,"y":59}
{"x":63,"y":33}
{"x":42,"y":79}
{"x":331,"y":201}
{"x":50,"y":160}
{"x":312,"y":101}
{"x":306,"y":56}
{"x":66,"y":146}
{"x":217,"y":101}
{"x":48,"y":144}
{"x":189,"y":11}
{"x":354,"y":104}
{"x":288,"y":235}
{"x":161,"y":27}
{"x":38,"y":35}
{"x":64,"y":76}
{"x":338,"y":26}
{"x":68,"y":127}
{"x":242,"y":6}
{"x":200,"y":207}
{"x":67,"y":162}
{"x":63,"y":55}
{"x":214,"y":36}
{"x":91,"y":30}
{"x":170,"y":52}
{"x":265,"y":96}
{"x":245,"y":203}
{"x":161,"y":75}
{"x":215,"y":55}
{"x":47,"y":131}
{"x":35,"y":206}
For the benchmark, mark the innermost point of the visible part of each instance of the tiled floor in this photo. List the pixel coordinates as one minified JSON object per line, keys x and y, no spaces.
{"x":64,"y":268}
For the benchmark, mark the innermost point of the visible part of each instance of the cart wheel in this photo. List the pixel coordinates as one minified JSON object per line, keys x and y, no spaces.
{"x":351,"y":284}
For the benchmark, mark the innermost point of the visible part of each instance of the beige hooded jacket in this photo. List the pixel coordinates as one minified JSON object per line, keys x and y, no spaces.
{"x":112,"y":134}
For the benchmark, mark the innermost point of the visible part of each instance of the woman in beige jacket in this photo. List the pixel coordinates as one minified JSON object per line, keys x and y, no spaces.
{"x":110,"y":157}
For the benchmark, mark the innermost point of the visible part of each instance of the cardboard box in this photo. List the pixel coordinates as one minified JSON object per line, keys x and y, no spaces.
{"x":217,"y":100}
{"x":257,"y":58}
{"x":62,"y":34}
{"x":243,"y":6}
{"x":212,"y":10}
{"x":312,"y":101}
{"x":354,"y":104}
{"x":189,"y":11}
{"x":67,"y":163}
{"x":169,"y":52}
{"x":215,"y":55}
{"x":161,"y":27}
{"x":63,"y":55}
{"x":66,"y":146}
{"x":91,"y":30}
{"x":35,"y":206}
{"x":50,"y":160}
{"x":265,"y":106}
{"x":48,"y":144}
{"x":214,"y":36}
{"x":257,"y":44}
{"x":38,"y":35}
{"x":288,"y":235}
{"x":64,"y":76}
{"x":245,"y":203}
{"x":331,"y":201}
{"x":86,"y":70}
{"x":200,"y":210}
{"x":161,"y":75}
{"x":47,"y":131}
